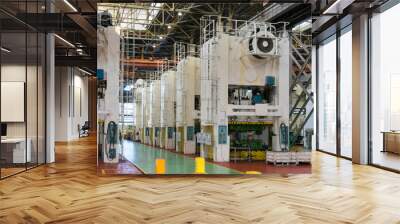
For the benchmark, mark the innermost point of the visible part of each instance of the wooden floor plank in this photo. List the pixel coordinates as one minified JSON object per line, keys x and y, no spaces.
{"x":69,"y":191}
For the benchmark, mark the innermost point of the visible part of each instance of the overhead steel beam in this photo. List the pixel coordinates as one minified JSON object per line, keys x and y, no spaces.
{"x":52,"y":22}
{"x":337,"y":7}
{"x":87,"y":28}
{"x":83,"y":23}
{"x":143,"y":7}
{"x":273,"y":11}
{"x":82,"y":61}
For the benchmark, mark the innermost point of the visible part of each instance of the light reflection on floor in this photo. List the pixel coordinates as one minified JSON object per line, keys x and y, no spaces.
{"x":386,"y":159}
{"x":144,"y":157}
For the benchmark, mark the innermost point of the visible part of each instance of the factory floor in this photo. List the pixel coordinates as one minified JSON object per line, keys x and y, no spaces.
{"x":141,"y":159}
{"x":144,"y":158}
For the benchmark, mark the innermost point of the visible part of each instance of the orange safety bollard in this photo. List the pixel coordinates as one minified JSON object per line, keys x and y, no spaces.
{"x":253,"y":172}
{"x":200,"y":164}
{"x":160,"y":166}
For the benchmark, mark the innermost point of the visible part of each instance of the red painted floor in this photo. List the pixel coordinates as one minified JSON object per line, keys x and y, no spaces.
{"x":123,"y":167}
{"x":264,"y":168}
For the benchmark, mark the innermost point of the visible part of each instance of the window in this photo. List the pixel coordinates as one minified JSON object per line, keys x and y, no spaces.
{"x":327,"y":95}
{"x":385,"y":89}
{"x":346,"y":93}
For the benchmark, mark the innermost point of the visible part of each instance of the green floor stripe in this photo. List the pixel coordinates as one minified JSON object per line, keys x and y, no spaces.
{"x":144,"y":158}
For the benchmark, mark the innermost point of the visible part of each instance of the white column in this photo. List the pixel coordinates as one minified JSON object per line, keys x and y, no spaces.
{"x":360,"y":90}
{"x":50,"y":100}
{"x":314,"y":90}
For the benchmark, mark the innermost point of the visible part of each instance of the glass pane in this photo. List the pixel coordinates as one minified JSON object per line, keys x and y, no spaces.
{"x":31,"y":97}
{"x":385,"y":86}
{"x":41,"y":99}
{"x":327,"y":96}
{"x":346,"y":94}
{"x":13,"y":87}
{"x":32,"y":86}
{"x":22,"y":88}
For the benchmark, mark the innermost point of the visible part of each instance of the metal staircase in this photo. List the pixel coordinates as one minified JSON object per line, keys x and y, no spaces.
{"x":301,"y":95}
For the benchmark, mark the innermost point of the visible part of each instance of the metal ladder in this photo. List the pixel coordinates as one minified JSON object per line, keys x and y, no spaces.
{"x":300,"y":86}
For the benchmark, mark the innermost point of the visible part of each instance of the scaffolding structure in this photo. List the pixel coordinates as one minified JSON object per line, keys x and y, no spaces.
{"x":211,"y":25}
{"x":126,"y":81}
{"x":184,"y":50}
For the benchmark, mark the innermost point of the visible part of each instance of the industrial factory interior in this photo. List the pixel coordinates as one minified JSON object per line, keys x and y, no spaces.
{"x":279,"y":111}
{"x":217,"y":101}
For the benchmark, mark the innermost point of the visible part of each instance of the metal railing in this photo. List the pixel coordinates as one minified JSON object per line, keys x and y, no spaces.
{"x":300,"y":86}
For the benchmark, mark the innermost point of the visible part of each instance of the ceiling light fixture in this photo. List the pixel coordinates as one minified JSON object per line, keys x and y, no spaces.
{"x":154,"y":46}
{"x":86,"y":72}
{"x":161,"y":37}
{"x":169,"y":26}
{"x":179,"y":13}
{"x":337,"y":7}
{"x":64,"y":40}
{"x":5,"y":50}
{"x":70,"y":5}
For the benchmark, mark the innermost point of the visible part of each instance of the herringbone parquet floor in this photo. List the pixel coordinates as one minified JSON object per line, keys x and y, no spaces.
{"x":70,"y":192}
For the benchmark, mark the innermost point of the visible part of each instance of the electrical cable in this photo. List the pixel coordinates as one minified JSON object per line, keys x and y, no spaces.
{"x":112,"y":139}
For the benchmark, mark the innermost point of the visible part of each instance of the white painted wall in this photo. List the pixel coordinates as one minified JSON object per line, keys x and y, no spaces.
{"x":16,"y":73}
{"x":31,"y":127}
{"x":80,"y":83}
{"x":61,"y":103}
{"x":69,"y":82}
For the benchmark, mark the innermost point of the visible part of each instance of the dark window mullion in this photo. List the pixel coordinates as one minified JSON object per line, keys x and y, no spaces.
{"x":0,"y":93}
{"x":369,"y":79}
{"x":37,"y":90}
{"x":317,"y":94}
{"x":338,"y":76}
{"x":26,"y":86}
{"x":46,"y":3}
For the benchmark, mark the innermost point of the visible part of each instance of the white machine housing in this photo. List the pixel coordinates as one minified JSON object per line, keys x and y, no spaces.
{"x":187,"y":87}
{"x":138,"y":96}
{"x":168,"y":100}
{"x":154,"y":109}
{"x":263,"y":44}
{"x":227,"y":60}
{"x":108,"y":58}
{"x":146,"y":99}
